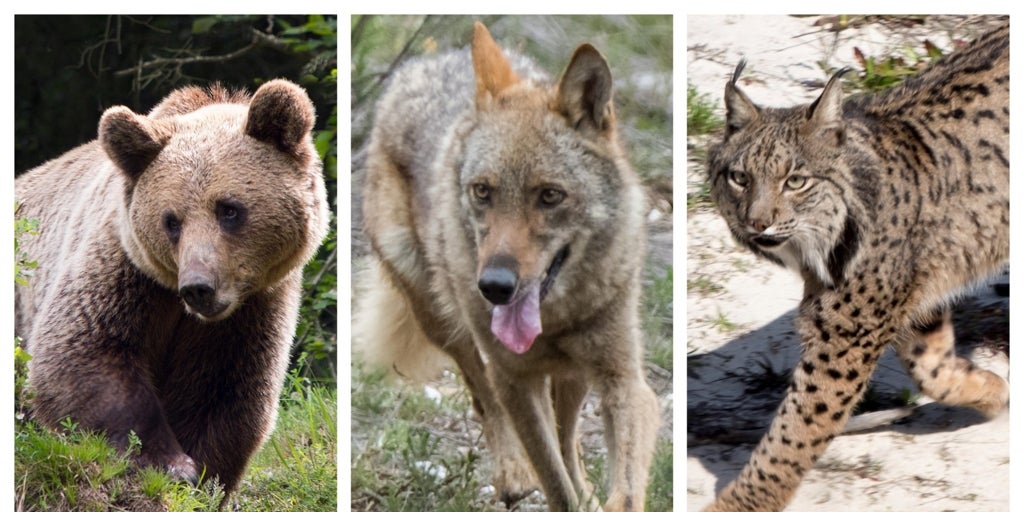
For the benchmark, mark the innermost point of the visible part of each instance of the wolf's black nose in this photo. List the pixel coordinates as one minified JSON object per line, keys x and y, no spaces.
{"x":497,"y":284}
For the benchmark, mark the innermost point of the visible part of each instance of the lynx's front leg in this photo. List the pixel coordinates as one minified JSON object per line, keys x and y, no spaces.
{"x":838,"y":356}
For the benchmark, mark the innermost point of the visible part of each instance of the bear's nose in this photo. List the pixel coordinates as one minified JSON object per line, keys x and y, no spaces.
{"x":198,"y":295}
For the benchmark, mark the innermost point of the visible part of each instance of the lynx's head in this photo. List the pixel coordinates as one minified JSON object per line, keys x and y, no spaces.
{"x":782,"y":179}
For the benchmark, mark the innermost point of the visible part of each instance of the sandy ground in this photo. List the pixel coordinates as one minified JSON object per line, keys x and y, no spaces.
{"x":740,"y":339}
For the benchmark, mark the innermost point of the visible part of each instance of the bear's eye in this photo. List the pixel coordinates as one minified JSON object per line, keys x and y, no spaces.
{"x":172,"y":226}
{"x":230,"y":215}
{"x":551,"y":197}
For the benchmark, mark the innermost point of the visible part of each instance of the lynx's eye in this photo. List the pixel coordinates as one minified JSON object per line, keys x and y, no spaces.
{"x":740,"y":178}
{"x":481,"y":192}
{"x":551,"y":197}
{"x":796,"y":182}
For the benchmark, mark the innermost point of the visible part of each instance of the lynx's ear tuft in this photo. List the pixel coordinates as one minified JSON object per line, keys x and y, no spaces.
{"x":739,"y":110}
{"x":825,"y":115}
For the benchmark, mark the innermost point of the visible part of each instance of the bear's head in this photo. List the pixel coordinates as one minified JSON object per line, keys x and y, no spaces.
{"x":224,"y":195}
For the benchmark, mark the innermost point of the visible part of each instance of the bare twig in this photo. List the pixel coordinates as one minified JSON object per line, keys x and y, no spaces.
{"x":258,"y":39}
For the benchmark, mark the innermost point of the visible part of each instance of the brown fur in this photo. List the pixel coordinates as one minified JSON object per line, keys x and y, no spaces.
{"x":476,"y":168}
{"x":170,"y":256}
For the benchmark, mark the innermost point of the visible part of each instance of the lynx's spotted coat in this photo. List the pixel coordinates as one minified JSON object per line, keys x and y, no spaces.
{"x":887,"y":205}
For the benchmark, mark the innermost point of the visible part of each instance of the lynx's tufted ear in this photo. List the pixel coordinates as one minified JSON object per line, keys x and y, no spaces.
{"x":130,"y":140}
{"x":739,"y":110}
{"x":490,"y":67}
{"x":825,"y":115}
{"x":282,"y":114}
{"x":585,"y":91}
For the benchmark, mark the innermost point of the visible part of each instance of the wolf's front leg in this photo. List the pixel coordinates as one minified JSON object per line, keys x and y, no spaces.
{"x":514,"y":478}
{"x":528,"y":403}
{"x":568,"y":392}
{"x":631,"y":419}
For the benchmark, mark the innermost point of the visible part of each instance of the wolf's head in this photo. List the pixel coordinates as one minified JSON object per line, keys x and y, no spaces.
{"x":543,"y":179}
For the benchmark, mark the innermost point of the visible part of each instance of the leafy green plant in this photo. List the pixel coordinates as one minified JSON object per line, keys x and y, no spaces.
{"x":880,"y":73}
{"x":23,"y":266}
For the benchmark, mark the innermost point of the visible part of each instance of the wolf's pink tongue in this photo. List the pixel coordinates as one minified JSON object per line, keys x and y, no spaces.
{"x":518,"y":324}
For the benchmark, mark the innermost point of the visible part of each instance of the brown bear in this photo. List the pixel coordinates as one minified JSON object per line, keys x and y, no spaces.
{"x":170,"y":256}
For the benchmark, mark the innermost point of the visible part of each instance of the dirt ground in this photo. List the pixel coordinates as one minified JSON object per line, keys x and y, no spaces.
{"x":740,"y":338}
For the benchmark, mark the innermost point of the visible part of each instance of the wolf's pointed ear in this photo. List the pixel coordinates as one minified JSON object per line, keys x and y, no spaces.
{"x":739,"y":110}
{"x":585,"y":91}
{"x":492,"y":69}
{"x":825,"y":115}
{"x":130,"y":140}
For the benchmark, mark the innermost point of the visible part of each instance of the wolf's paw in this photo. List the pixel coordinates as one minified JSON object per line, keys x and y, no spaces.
{"x":514,"y":479}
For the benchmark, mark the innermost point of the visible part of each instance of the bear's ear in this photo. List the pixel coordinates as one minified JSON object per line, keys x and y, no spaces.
{"x":585,"y":91}
{"x":282,"y":114}
{"x":130,"y":140}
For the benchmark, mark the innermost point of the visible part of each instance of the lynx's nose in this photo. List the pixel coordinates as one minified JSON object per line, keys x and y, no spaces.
{"x":498,"y":280}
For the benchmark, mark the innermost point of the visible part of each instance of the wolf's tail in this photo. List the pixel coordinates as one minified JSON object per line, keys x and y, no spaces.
{"x":385,"y":333}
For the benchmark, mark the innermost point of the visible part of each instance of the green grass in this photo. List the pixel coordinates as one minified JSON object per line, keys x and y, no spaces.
{"x":700,"y":113}
{"x":701,"y":198}
{"x":722,"y":323}
{"x":402,"y":459}
{"x":656,"y":316}
{"x":297,"y":468}
{"x":704,"y":286}
{"x":75,"y":470}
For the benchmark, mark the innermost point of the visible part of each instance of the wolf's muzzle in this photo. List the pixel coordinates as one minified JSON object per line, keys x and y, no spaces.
{"x":498,"y":279}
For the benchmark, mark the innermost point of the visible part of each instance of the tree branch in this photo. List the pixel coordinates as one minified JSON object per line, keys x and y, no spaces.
{"x":258,"y":39}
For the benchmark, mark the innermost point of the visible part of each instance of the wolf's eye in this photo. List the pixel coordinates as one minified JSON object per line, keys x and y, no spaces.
{"x":740,"y":178}
{"x":481,"y":192}
{"x":796,"y":182}
{"x":551,"y":196}
{"x":172,"y":226}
